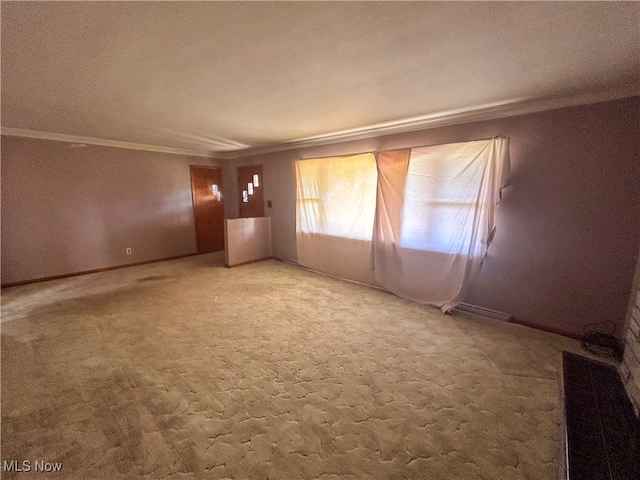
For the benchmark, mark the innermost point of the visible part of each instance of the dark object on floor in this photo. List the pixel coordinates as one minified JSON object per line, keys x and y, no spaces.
{"x":602,"y":343}
{"x":603,"y":433}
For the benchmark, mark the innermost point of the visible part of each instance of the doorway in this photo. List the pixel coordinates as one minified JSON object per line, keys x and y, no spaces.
{"x":208,"y":210}
{"x":250,"y":191}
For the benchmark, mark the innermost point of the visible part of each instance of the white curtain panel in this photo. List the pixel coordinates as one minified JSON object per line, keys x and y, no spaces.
{"x":417,"y":222}
{"x":336,"y":201}
{"x":435,"y":217}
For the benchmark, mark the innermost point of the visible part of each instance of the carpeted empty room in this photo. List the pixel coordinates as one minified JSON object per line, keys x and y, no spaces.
{"x":186,"y":369}
{"x":320,"y":240}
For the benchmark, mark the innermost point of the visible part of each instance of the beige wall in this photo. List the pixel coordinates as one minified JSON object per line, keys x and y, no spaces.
{"x":568,"y":228}
{"x":67,"y":210}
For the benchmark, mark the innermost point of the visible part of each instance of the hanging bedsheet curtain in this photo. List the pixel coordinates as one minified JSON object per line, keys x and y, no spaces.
{"x":435,"y":217}
{"x":416,"y":222}
{"x":336,"y":201}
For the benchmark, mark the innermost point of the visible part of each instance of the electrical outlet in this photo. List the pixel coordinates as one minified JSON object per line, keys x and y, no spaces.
{"x":128,"y":251}
{"x":268,"y":203}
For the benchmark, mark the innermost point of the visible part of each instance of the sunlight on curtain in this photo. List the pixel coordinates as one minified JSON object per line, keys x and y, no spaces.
{"x":435,"y":217}
{"x":442,"y":185}
{"x":337,"y":196}
{"x":417,"y":222}
{"x":336,"y":201}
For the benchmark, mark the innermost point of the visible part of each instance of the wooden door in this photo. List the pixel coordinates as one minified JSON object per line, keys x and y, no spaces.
{"x":208,"y":211}
{"x":250,"y":191}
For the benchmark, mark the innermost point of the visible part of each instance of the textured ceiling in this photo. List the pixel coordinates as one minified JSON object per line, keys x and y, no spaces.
{"x":227,"y":76}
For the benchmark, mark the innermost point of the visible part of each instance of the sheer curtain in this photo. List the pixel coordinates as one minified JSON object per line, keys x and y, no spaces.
{"x":416,"y":222}
{"x":435,"y":217}
{"x":336,"y":201}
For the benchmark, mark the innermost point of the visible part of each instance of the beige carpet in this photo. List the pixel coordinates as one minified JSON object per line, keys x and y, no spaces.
{"x":186,"y":369}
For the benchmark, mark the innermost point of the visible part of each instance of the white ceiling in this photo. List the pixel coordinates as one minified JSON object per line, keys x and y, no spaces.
{"x":219,"y":78}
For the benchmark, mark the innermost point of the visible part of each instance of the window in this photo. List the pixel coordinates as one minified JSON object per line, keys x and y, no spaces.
{"x":337,"y":196}
{"x":416,"y":222}
{"x":442,"y":185}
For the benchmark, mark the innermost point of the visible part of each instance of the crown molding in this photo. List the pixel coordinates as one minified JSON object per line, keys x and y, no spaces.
{"x":452,"y":117}
{"x":60,"y":137}
{"x":485,"y":112}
